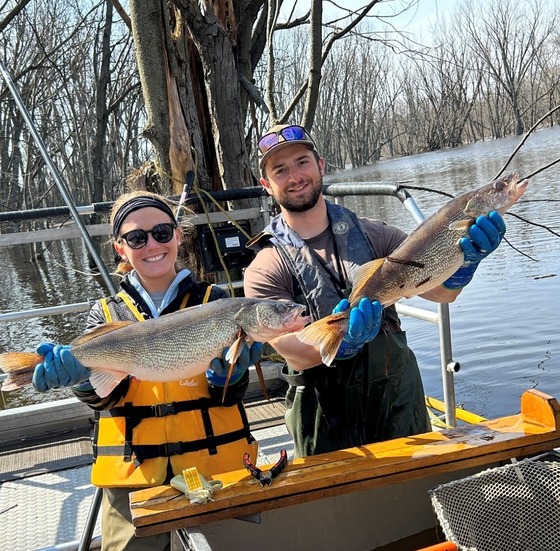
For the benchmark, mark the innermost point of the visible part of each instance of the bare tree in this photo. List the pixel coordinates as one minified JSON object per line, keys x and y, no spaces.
{"x":509,"y":37}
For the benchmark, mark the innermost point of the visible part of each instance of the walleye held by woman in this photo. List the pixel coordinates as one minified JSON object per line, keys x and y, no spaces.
{"x":173,"y":347}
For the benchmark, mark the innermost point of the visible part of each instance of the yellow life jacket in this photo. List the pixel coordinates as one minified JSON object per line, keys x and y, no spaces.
{"x":158,"y":429}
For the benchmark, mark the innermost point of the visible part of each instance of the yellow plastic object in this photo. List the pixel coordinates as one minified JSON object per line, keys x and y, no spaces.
{"x":195,"y":487}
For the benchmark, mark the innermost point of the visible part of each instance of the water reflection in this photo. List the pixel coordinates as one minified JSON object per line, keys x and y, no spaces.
{"x":62,"y":277}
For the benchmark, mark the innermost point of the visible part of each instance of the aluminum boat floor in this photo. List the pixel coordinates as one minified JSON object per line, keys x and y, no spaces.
{"x":41,"y":510}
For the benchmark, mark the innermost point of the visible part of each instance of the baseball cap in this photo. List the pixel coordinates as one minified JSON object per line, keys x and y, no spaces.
{"x":281,"y":135}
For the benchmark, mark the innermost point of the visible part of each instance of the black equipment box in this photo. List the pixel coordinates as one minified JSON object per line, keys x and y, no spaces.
{"x":231,"y":242}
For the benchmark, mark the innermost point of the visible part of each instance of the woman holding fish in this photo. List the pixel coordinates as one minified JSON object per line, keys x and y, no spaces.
{"x":353,"y":379}
{"x":147,"y":432}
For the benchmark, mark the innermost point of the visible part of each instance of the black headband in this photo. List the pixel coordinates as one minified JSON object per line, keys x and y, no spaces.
{"x":139,"y":203}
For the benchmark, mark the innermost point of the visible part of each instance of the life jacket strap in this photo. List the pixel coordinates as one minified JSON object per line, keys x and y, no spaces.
{"x":141,"y":452}
{"x":131,"y":411}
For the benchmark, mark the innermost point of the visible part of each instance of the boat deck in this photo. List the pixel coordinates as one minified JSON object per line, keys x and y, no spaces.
{"x":46,"y":494}
{"x":45,"y":489}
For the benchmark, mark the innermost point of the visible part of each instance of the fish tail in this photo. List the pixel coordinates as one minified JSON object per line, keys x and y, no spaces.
{"x":20,"y":367}
{"x":327,"y":334}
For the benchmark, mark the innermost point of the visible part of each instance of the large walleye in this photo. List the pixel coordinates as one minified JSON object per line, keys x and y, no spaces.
{"x":424,"y":260}
{"x":173,"y":347}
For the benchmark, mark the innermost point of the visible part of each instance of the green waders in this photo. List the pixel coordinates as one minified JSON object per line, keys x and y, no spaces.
{"x":377,"y":395}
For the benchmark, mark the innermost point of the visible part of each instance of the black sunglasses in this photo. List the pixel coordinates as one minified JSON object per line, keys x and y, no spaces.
{"x":136,"y":239}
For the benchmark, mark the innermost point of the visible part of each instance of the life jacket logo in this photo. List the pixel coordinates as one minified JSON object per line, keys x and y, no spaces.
{"x":340,"y":228}
{"x":188,"y":382}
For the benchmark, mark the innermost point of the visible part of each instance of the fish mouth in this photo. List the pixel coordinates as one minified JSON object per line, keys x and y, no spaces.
{"x":520,"y":187}
{"x":296,"y":319}
{"x":515,"y":187}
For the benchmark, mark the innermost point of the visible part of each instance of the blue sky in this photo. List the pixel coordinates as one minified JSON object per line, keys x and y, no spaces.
{"x":419,"y":17}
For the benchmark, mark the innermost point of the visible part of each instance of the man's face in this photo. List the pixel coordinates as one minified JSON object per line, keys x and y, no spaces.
{"x":294,"y":177}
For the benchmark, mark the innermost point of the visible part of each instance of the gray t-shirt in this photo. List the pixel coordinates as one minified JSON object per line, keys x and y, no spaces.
{"x":268,"y":277}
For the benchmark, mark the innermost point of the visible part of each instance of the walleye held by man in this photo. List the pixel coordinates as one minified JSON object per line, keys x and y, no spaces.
{"x":177,"y":346}
{"x":428,"y":257}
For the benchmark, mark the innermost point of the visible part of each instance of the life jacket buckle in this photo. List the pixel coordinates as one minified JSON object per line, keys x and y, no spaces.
{"x":172,"y":448}
{"x":162,"y":410}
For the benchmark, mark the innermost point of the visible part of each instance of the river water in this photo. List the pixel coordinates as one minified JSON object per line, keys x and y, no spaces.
{"x":504,"y":323}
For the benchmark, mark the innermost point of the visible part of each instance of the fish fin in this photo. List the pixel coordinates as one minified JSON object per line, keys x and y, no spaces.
{"x":231,"y":356}
{"x":235,"y":350}
{"x":327,"y":334}
{"x":104,"y":381}
{"x":260,"y":375}
{"x":461,"y":225}
{"x":17,"y":361}
{"x":100,"y":330}
{"x":362,"y":275}
{"x":20,"y":367}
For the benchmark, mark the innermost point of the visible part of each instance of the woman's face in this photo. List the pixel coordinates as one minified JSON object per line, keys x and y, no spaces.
{"x":155,"y":261}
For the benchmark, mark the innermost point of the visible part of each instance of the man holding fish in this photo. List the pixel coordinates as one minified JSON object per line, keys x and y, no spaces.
{"x":146,"y":432}
{"x":361,"y":383}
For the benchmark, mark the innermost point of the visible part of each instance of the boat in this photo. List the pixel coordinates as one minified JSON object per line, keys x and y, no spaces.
{"x":360,"y":498}
{"x":372,"y":497}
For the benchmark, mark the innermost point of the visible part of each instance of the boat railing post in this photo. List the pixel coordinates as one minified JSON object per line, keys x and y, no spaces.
{"x":448,"y":366}
{"x":89,"y":527}
{"x":94,"y":510}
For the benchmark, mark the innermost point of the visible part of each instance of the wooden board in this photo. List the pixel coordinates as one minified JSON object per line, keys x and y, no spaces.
{"x":534,"y":430}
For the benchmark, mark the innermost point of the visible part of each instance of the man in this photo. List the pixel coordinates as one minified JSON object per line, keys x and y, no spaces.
{"x":373,"y":391}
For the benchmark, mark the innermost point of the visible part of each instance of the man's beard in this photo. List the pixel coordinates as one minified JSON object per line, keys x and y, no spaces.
{"x":291,"y":206}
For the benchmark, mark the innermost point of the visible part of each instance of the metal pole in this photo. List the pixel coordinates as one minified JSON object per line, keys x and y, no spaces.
{"x":447,"y":365}
{"x":87,"y":534}
{"x":54,"y":172}
{"x":88,"y":530}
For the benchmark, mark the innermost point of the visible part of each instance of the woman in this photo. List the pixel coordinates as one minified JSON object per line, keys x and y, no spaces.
{"x":146,"y":432}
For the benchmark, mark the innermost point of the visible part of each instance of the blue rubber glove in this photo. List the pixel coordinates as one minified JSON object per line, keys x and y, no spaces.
{"x":484,"y":237}
{"x":59,"y":368}
{"x":219,"y":367}
{"x":363,"y":325}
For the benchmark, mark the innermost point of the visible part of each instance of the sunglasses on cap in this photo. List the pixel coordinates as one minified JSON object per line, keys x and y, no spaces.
{"x":136,"y":239}
{"x":290,"y":133}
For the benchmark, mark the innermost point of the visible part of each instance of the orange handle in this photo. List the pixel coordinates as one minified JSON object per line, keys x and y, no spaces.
{"x":445,"y":546}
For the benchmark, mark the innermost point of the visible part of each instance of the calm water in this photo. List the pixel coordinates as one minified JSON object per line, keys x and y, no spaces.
{"x":505,"y":322}
{"x":503,"y":325}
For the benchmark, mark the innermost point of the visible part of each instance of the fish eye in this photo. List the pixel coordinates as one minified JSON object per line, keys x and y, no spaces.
{"x":500,"y":185}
